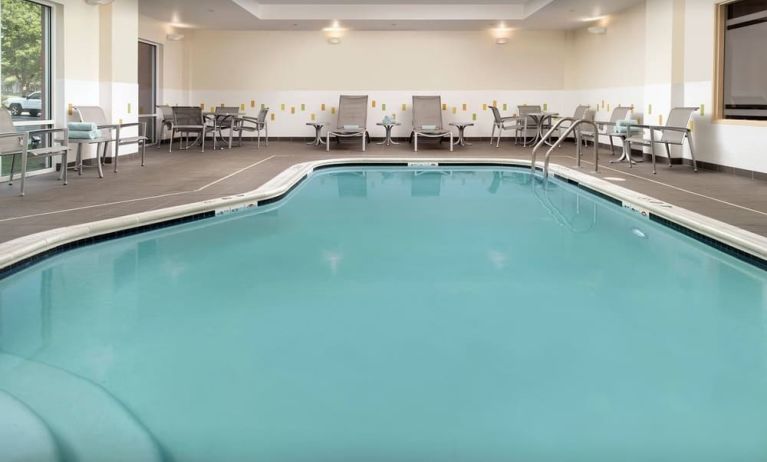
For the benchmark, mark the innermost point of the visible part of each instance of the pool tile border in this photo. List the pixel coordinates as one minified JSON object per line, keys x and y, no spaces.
{"x":21,"y":253}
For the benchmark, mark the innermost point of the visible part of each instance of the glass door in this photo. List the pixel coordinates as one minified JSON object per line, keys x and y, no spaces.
{"x":147,"y":85}
{"x":25,"y":72}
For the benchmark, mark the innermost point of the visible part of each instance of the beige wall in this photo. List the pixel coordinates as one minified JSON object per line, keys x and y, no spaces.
{"x":274,"y":61}
{"x":173,"y":72}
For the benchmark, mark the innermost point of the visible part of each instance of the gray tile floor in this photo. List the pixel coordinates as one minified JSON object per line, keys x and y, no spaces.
{"x":182,"y":177}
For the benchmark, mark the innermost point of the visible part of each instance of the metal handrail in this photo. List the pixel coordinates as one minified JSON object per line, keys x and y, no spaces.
{"x":547,"y":136}
{"x":578,"y":141}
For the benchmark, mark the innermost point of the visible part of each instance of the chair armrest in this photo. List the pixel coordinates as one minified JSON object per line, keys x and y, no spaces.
{"x":109,"y":126}
{"x":65,"y":131}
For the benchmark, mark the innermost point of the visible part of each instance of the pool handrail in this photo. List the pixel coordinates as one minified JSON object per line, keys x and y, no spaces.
{"x":546,"y":137}
{"x":578,"y":152}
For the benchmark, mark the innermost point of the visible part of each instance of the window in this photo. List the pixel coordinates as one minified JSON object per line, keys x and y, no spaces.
{"x":25,"y":69}
{"x":742,"y":60}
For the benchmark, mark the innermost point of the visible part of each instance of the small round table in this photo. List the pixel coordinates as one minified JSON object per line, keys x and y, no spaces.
{"x":317,"y":133}
{"x":461,"y":126}
{"x":388,"y":126}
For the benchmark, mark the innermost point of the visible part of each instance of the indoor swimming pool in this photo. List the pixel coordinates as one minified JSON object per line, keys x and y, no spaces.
{"x":391,"y":314}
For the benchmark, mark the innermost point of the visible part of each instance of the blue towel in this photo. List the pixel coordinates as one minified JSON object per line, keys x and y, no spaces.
{"x":624,"y":126}
{"x":82,"y":126}
{"x":84,"y":135}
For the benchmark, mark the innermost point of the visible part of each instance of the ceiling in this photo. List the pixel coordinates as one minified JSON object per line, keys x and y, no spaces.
{"x":378,"y":14}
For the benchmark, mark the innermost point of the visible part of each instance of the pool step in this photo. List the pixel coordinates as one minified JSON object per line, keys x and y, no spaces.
{"x":84,"y":419}
{"x":23,"y":435}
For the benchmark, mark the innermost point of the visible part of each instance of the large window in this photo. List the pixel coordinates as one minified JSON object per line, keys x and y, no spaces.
{"x":25,"y":80}
{"x":742,"y":62}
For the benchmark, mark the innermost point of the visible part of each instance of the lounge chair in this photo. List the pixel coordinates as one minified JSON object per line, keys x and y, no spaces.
{"x":253,"y":124}
{"x":95,"y":114}
{"x":608,"y":128}
{"x":502,"y":123}
{"x":427,"y":120}
{"x":13,"y":143}
{"x":352,"y":119}
{"x":188,"y":120}
{"x":675,"y":132}
{"x":167,"y":121}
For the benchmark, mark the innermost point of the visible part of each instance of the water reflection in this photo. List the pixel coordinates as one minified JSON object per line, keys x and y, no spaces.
{"x":426,"y":184}
{"x":352,"y":184}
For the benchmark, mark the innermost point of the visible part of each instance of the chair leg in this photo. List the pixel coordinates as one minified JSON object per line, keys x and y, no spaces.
{"x":23,"y":168}
{"x":492,"y":133}
{"x":415,"y":142}
{"x":327,"y":144}
{"x":692,"y":152}
{"x":117,"y":152}
{"x":363,"y":142}
{"x":13,"y":163}
{"x":143,"y":152}
{"x":668,"y":153}
{"x":266,"y":133}
{"x":203,"y":140}
{"x":451,"y":141}
{"x":64,"y":161}
{"x":612,"y":146}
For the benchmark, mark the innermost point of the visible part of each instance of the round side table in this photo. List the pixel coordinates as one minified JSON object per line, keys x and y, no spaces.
{"x":388,"y":126}
{"x":461,"y":126}
{"x":317,"y":133}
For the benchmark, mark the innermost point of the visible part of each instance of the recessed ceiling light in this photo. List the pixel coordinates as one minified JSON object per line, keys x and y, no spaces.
{"x":98,"y":2}
{"x":597,"y":30}
{"x":593,"y":18}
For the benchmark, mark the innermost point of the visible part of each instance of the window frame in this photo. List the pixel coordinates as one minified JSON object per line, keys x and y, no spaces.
{"x":720,"y":27}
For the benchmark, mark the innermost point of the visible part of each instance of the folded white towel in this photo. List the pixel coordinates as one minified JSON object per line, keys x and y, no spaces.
{"x":429,"y":127}
{"x":351,"y":127}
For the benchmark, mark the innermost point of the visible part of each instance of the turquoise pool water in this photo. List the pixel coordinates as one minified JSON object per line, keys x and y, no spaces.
{"x":387,"y":314}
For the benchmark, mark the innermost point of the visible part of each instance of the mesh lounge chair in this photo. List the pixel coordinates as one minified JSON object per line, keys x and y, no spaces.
{"x":427,"y":120}
{"x":526,"y":122}
{"x":352,"y":119}
{"x":619,"y":113}
{"x":253,"y":124}
{"x":167,"y":121}
{"x":187,"y":120}
{"x":673,"y":133}
{"x":95,"y":114}
{"x":502,"y":123}
{"x":16,"y":144}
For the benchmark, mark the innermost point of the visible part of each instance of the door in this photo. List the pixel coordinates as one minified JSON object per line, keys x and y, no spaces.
{"x":147,"y":85}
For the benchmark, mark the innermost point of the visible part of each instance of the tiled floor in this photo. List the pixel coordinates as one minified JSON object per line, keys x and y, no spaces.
{"x":181,"y":177}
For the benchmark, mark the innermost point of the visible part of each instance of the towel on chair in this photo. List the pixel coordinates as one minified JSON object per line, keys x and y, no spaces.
{"x":625,"y":127}
{"x":428,"y":127}
{"x":351,"y":127}
{"x":84,"y":135}
{"x":82,"y":126}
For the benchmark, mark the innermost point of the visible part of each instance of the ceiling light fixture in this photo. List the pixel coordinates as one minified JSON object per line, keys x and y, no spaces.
{"x":597,"y":30}
{"x":98,"y":2}
{"x":175,"y":37}
{"x":501,"y":34}
{"x":334,"y":33}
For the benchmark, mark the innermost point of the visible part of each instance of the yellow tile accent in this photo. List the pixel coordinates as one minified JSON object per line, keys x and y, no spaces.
{"x":608,"y":107}
{"x":69,"y":109}
{"x":505,"y":107}
{"x":649,"y":109}
{"x":484,"y":106}
{"x":660,"y":119}
{"x":495,"y":103}
{"x":545,"y":106}
{"x":263,"y":105}
{"x":314,"y":117}
{"x":129,"y":107}
{"x":282,"y":107}
{"x":691,"y":125}
{"x":202,"y":106}
{"x":373,"y":103}
{"x":252,"y":103}
{"x":603,"y":104}
{"x":292,"y":109}
{"x":242,"y":106}
{"x":303,"y":107}
{"x":322,"y":107}
{"x":383,"y":106}
{"x":222,"y":104}
{"x":444,"y":107}
{"x":272,"y":116}
{"x":702,"y":110}
{"x":474,"y":116}
{"x":454,"y":109}
{"x":465,"y":107}
{"x":404,"y":107}
{"x":333,"y":110}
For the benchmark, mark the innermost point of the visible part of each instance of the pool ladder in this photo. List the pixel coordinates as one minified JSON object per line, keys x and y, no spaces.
{"x":574,"y":124}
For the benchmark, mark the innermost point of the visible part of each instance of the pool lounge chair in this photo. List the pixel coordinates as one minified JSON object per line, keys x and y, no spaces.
{"x":674,"y":133}
{"x":96,"y":115}
{"x":427,"y":120}
{"x":13,"y":143}
{"x":352,"y":119}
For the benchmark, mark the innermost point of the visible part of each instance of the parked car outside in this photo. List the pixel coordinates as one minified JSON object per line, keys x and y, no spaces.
{"x":30,"y":104}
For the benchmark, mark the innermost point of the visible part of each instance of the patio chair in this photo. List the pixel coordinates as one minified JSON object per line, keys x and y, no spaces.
{"x":223,"y":118}
{"x":188,"y":120}
{"x":352,"y":119}
{"x":427,"y":120}
{"x":502,"y":123}
{"x":582,"y":112}
{"x":167,"y":121}
{"x":253,"y":124}
{"x":674,"y":133}
{"x":526,"y":122}
{"x":608,"y":128}
{"x":95,"y":114}
{"x":13,"y":143}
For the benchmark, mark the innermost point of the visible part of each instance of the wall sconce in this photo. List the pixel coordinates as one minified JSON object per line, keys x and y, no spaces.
{"x":175,"y":37}
{"x":334,"y":33}
{"x":501,"y":34}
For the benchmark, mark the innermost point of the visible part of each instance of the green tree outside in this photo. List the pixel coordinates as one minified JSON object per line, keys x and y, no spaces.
{"x":21,"y":24}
